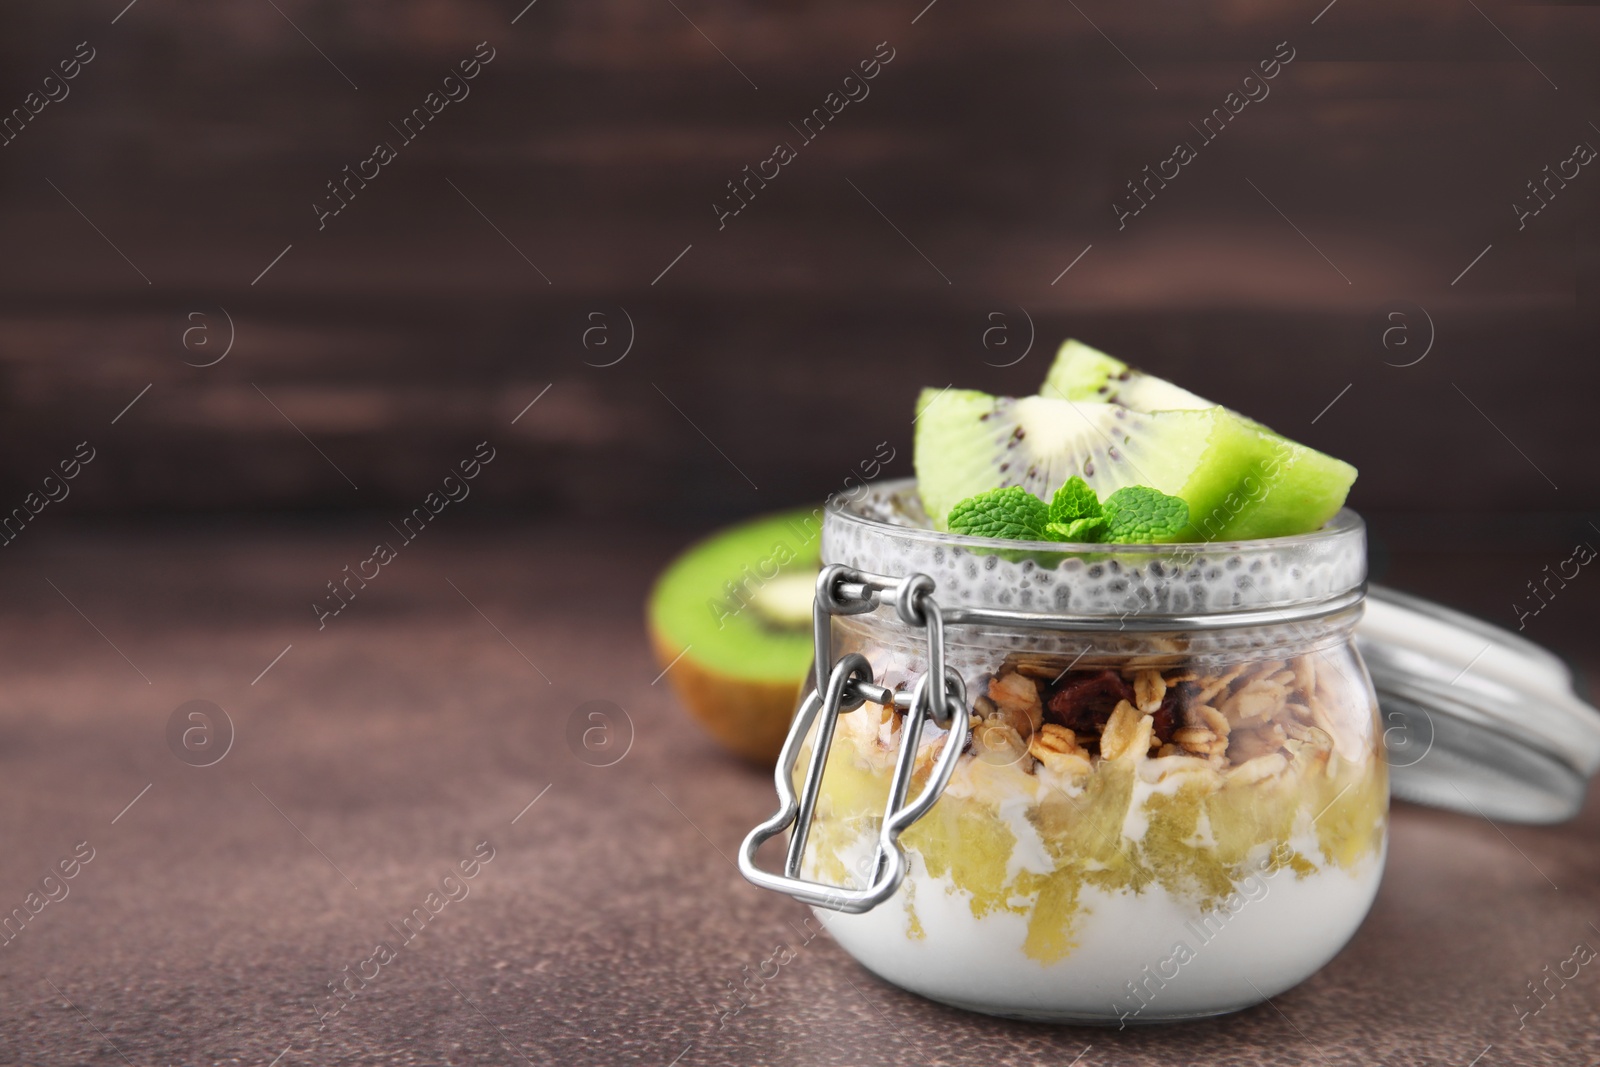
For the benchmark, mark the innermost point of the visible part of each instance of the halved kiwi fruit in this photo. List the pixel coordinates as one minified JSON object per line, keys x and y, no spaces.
{"x":732,"y":616}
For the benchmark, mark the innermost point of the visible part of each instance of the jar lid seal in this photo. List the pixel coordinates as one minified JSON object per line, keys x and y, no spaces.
{"x":1476,"y":719}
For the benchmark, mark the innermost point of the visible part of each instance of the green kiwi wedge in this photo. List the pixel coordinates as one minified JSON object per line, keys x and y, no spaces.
{"x":1240,"y":480}
{"x":1083,"y":373}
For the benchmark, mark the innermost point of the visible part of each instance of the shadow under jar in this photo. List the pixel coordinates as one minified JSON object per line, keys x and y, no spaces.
{"x":1161,"y":794}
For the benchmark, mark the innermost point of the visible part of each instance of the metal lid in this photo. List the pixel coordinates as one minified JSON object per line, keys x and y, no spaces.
{"x":1476,"y":718}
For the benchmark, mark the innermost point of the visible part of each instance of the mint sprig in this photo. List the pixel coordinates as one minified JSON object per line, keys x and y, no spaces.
{"x":1135,"y":514}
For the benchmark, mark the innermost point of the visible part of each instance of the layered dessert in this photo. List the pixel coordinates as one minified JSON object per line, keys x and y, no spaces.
{"x":1146,"y":822}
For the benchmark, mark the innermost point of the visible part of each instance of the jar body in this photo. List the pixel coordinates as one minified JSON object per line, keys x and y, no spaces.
{"x":1145,"y":826}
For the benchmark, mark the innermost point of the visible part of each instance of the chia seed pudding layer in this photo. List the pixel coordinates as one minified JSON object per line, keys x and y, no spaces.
{"x":884,"y":530}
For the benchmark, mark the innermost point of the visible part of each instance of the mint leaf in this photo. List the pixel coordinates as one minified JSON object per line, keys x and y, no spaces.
{"x":1011,"y":512}
{"x":1075,"y":500}
{"x":1078,"y":531}
{"x":1137,"y":514}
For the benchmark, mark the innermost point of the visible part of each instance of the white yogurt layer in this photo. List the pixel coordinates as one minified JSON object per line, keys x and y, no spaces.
{"x":1138,"y":957}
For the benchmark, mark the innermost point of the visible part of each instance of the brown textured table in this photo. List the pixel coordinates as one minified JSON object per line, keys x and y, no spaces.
{"x":373,"y":756}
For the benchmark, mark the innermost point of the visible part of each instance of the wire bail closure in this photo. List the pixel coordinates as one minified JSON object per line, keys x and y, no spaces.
{"x":841,"y":687}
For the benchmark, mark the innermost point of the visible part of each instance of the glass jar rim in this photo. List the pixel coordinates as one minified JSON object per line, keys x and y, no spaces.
{"x":1094,"y":580}
{"x":1344,"y":525}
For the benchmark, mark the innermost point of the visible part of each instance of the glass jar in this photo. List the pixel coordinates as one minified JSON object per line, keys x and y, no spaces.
{"x":1152,"y":788}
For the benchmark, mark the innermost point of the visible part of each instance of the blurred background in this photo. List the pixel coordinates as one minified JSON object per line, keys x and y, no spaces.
{"x":1389,"y":254}
{"x":920,"y":240}
{"x":1372,"y":207}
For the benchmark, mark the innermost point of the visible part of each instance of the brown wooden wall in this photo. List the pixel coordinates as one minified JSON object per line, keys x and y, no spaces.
{"x":460,"y":281}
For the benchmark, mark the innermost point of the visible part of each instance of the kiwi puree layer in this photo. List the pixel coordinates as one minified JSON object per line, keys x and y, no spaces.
{"x":975,"y":841}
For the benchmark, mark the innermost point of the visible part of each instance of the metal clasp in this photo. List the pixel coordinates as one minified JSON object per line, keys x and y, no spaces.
{"x":841,"y":687}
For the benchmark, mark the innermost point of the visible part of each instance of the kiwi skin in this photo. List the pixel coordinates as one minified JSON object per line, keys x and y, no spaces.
{"x":748,"y":717}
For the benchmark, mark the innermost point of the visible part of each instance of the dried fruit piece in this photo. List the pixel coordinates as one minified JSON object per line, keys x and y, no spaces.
{"x":1087,"y":698}
{"x":1165,"y":718}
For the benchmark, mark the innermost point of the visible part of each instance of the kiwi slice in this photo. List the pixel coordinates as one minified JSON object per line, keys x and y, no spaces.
{"x":731,"y":617}
{"x":968,"y":442}
{"x":1303,"y":488}
{"x":1084,"y":373}
{"x":1240,"y":480}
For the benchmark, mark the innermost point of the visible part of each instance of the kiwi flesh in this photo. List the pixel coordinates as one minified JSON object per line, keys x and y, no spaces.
{"x":1240,"y":480}
{"x":968,"y":442}
{"x":1083,"y":373}
{"x":1294,"y":489}
{"x":730,"y":623}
